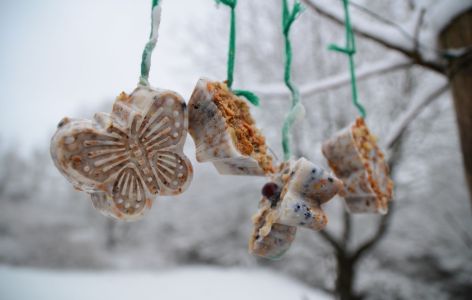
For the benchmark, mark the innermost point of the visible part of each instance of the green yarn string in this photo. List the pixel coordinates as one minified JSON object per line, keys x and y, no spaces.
{"x":288,"y":17}
{"x":232,"y":47}
{"x":150,"y":45}
{"x":350,"y":51}
{"x":155,"y":3}
{"x":232,"y":40}
{"x":251,"y":97}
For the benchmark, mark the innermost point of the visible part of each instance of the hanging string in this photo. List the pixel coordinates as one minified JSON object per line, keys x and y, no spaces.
{"x":350,"y":51}
{"x":147,"y":52}
{"x":296,"y":110}
{"x":250,"y":96}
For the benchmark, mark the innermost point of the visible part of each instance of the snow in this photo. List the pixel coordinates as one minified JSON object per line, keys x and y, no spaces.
{"x":414,"y":109}
{"x":380,"y":32}
{"x":388,"y":64}
{"x":438,"y":14}
{"x":44,"y":223}
{"x":185,"y":283}
{"x":442,"y":12}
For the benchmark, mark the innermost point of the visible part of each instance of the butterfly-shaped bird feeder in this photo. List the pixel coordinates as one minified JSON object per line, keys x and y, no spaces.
{"x":126,"y":158}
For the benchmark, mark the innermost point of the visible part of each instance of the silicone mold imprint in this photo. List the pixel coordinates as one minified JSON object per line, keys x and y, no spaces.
{"x":293,"y":198}
{"x":124,"y":159}
{"x":224,"y":131}
{"x":355,"y":158}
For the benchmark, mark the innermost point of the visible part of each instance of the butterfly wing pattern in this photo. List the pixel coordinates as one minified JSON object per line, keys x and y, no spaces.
{"x":126,"y":158}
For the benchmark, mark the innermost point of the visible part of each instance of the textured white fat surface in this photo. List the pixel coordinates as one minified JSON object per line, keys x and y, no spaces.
{"x":184,"y":283}
{"x":287,"y":214}
{"x":221,"y":151}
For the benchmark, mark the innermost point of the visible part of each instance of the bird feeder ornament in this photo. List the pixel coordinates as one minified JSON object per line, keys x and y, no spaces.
{"x":224,"y":132}
{"x":126,"y":158}
{"x":354,"y":156}
{"x":221,"y":124}
{"x":353,"y":153}
{"x":293,"y":198}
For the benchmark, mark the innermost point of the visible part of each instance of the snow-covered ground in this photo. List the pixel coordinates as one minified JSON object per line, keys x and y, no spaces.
{"x":184,"y":283}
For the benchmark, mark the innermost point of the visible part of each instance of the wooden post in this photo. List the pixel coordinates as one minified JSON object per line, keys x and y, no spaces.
{"x":458,"y":34}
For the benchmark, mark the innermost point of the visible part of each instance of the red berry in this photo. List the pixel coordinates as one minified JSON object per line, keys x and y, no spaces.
{"x":270,"y":190}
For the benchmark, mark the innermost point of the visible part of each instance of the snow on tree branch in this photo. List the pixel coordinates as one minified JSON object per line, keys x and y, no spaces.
{"x":379,"y":234}
{"x":331,"y":240}
{"x":411,"y":113}
{"x":392,"y":37}
{"x":444,"y":11}
{"x":339,"y":80}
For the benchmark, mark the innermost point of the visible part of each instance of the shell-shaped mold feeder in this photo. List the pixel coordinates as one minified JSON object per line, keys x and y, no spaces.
{"x":224,"y":132}
{"x":126,"y":158}
{"x":354,"y":156}
{"x":270,"y":240}
{"x":292,"y":199}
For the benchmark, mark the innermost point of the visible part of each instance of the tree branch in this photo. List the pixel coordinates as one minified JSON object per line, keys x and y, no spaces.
{"x":331,"y":240}
{"x":381,"y":231}
{"x":347,"y":229}
{"x":383,"y":34}
{"x":339,"y":80}
{"x":410,"y":114}
{"x":418,"y":23}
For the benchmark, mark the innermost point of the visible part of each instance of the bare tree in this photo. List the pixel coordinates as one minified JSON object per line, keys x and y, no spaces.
{"x":459,"y":71}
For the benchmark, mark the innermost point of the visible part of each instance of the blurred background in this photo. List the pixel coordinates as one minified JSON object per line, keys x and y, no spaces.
{"x":72,"y":58}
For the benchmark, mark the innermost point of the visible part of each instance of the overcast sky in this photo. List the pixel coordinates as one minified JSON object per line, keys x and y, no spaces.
{"x":58,"y":57}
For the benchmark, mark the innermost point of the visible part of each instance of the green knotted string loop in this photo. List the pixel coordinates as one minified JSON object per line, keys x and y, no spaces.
{"x":251,"y":97}
{"x":288,"y":17}
{"x":350,"y":51}
{"x":147,"y":52}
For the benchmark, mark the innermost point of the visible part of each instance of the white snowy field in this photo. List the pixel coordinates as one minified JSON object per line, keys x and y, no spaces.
{"x":184,"y":283}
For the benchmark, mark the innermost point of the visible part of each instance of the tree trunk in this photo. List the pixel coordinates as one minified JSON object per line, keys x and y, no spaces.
{"x":110,"y":235}
{"x":346,"y":276}
{"x":458,"y":34}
